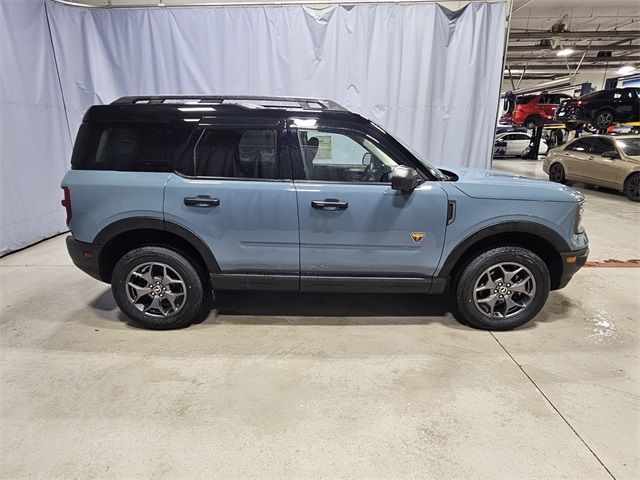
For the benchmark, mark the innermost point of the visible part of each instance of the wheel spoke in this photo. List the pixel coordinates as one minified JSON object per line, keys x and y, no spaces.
{"x":146,"y":276}
{"x":490,"y":302}
{"x":172,"y":297}
{"x":521,"y":287}
{"x":140,"y":291}
{"x":155,"y":304}
{"x":509,"y":275}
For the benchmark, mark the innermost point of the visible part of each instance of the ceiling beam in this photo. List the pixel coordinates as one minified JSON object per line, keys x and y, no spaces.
{"x":562,"y":68}
{"x":590,"y":59}
{"x":529,"y":35}
{"x":577,"y":48}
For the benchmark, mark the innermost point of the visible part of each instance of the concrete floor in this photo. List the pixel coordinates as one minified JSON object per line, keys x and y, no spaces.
{"x":323,"y":386}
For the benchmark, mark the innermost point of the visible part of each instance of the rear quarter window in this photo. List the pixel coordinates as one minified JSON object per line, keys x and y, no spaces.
{"x":130,"y":146}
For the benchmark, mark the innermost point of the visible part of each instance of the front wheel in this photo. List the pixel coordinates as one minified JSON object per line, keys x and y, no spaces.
{"x":556,"y":173}
{"x":503,"y":288}
{"x":158,"y":288}
{"x":632,"y":187}
{"x":603,"y":119}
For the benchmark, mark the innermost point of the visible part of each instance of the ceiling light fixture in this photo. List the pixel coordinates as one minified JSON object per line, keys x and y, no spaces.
{"x":626,"y":70}
{"x":565,"y":52}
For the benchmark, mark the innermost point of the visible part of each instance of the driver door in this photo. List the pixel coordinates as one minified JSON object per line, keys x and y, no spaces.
{"x":356,"y":232}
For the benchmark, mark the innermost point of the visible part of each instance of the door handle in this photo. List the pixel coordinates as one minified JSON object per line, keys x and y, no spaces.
{"x":329,"y":204}
{"x":202,"y":201}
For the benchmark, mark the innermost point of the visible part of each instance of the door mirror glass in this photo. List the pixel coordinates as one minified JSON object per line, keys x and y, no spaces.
{"x":404,"y":178}
{"x":610,"y":154}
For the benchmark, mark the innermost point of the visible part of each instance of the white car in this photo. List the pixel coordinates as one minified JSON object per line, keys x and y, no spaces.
{"x":512,"y":144}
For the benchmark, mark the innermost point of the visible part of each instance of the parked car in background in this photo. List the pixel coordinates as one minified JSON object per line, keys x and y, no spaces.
{"x":504,"y":128}
{"x":612,"y":162}
{"x":512,"y":144}
{"x":601,"y":109}
{"x":535,"y":110}
{"x":170,"y":197}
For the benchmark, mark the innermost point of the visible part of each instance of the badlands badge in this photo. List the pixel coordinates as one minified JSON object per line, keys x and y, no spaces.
{"x":417,"y":236}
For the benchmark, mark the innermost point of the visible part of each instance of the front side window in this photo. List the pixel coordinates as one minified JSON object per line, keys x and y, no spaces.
{"x":345,"y":156}
{"x":599,"y":145}
{"x":233,"y":153}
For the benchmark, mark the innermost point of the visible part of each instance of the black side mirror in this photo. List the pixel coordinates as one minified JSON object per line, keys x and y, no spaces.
{"x":404,"y":178}
{"x":610,"y":154}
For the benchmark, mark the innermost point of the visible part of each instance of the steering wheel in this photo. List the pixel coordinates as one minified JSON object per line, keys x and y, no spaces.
{"x":375,"y":170}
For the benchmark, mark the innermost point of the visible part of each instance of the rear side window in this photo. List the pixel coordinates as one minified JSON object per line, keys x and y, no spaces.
{"x":578,"y":146}
{"x":525,"y":99}
{"x":233,"y":153}
{"x":130,"y":146}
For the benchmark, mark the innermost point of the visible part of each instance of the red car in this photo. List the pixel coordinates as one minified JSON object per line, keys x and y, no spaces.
{"x":534,"y":110}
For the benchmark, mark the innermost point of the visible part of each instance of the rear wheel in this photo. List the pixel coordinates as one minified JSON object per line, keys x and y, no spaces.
{"x":532,"y":122}
{"x":158,"y":288}
{"x":503,"y":288}
{"x":632,"y":187}
{"x":603,"y":119}
{"x":556,"y":173}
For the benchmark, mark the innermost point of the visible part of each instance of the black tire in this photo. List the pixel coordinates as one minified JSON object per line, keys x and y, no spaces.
{"x":556,"y":173}
{"x":603,"y":118}
{"x":186,"y":308}
{"x":475,"y":271}
{"x":533,"y":122}
{"x":632,"y":187}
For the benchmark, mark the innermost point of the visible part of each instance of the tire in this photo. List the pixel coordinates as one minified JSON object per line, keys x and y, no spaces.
{"x":632,"y":187}
{"x":158,"y":288}
{"x":602,"y":119}
{"x":532,"y":122}
{"x":500,"y":308}
{"x":556,"y":173}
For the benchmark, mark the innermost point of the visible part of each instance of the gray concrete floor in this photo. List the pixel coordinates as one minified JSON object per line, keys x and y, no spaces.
{"x":323,"y":386}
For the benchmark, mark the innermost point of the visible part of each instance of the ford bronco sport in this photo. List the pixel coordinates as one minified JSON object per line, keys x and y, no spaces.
{"x":170,"y":199}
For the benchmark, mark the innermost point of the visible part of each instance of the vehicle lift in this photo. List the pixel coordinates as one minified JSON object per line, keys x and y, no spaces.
{"x":531,"y":153}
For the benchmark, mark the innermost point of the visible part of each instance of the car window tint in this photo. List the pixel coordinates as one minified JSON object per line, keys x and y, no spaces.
{"x":343,"y":157}
{"x":599,"y":145}
{"x":234,"y":153}
{"x":520,"y":136}
{"x":578,"y":146}
{"x":131,"y":146}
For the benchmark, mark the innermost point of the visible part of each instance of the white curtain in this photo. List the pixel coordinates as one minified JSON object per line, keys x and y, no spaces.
{"x":35,"y":145}
{"x":428,"y":75}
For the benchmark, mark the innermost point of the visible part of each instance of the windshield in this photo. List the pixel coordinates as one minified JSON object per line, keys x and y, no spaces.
{"x":629,"y":146}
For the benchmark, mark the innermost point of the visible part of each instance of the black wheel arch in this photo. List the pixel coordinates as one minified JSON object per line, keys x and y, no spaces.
{"x":540,"y":239}
{"x":123,"y":235}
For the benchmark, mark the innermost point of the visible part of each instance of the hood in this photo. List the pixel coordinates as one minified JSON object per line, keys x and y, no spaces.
{"x":494,"y":184}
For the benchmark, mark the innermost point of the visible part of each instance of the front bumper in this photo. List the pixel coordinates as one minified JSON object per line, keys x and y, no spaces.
{"x":85,"y":256}
{"x":571,"y":263}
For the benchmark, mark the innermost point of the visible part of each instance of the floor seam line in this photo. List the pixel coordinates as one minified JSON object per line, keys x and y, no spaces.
{"x":553,"y":406}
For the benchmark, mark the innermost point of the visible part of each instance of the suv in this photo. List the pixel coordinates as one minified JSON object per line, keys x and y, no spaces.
{"x":170,"y":198}
{"x":534,"y":110}
{"x":601,"y":109}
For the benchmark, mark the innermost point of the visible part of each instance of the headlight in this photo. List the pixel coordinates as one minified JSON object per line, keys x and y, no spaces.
{"x":579,"y":212}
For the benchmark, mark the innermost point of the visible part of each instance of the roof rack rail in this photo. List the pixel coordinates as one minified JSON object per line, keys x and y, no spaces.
{"x":303,"y":103}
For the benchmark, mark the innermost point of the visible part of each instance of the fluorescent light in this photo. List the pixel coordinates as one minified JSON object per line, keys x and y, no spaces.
{"x":196,"y":109}
{"x":626,"y":70}
{"x":305,"y":122}
{"x":565,"y":52}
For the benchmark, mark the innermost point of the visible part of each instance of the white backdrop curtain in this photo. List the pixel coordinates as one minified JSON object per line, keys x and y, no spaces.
{"x":426,"y":74}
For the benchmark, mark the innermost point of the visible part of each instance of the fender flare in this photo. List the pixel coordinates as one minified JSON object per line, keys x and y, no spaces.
{"x":149,"y":223}
{"x":532,"y":228}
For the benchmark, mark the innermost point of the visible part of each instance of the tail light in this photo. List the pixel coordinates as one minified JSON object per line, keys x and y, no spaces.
{"x":66,"y":203}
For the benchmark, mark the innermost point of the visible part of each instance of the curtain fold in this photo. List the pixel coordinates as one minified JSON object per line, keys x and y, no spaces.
{"x":428,"y":75}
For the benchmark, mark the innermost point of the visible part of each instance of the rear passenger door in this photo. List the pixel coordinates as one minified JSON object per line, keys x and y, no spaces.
{"x":232,"y":188}
{"x":597,"y":167}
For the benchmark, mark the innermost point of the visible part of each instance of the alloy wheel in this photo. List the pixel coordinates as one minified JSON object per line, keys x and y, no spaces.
{"x":604,"y":120}
{"x":633,"y":187}
{"x":504,"y":290}
{"x":556,"y":173}
{"x":156,"y":289}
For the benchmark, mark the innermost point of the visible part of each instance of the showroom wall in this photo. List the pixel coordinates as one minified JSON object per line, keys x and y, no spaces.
{"x":428,"y":75}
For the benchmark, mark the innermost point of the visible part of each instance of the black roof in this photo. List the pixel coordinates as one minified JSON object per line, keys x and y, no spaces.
{"x":170,"y":107}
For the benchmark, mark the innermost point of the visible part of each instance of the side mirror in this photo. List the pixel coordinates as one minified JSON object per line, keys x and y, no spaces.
{"x":610,"y":154}
{"x":404,"y":178}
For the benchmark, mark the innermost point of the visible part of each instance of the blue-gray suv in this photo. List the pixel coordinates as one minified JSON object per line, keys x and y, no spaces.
{"x":170,"y":199}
